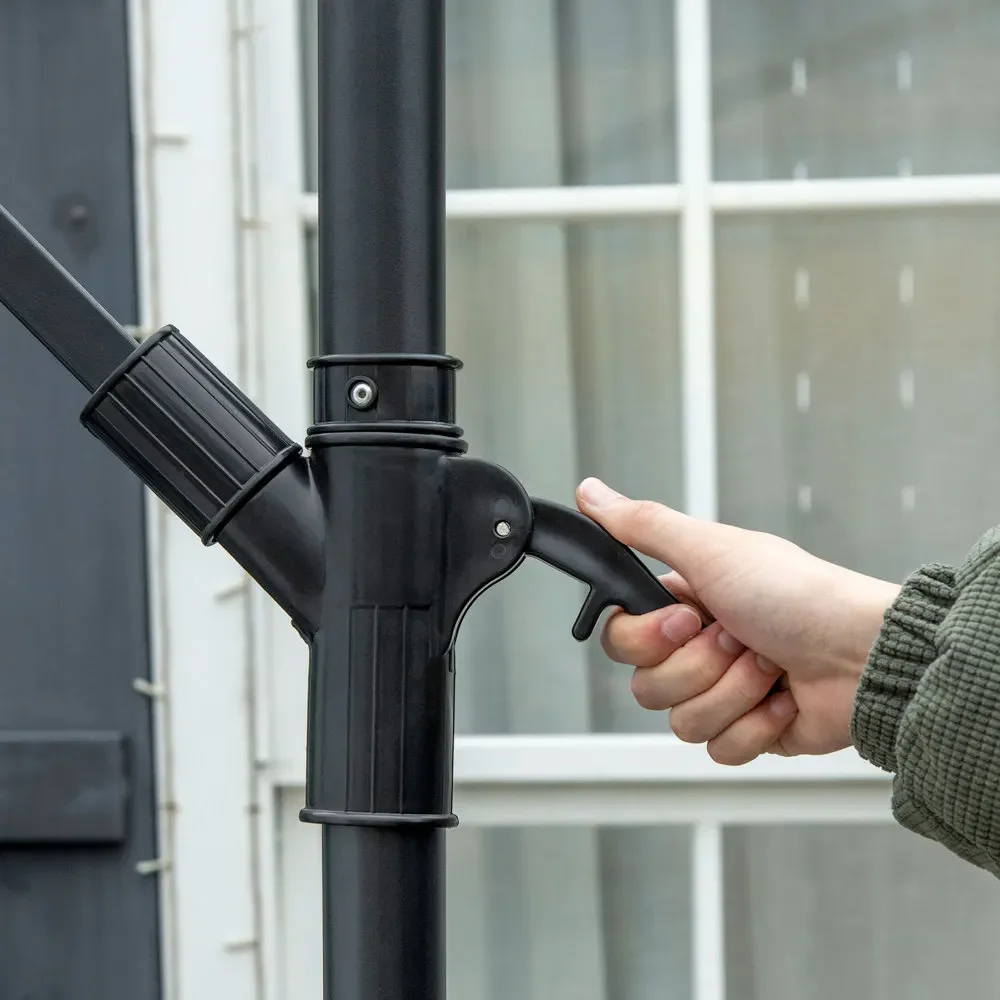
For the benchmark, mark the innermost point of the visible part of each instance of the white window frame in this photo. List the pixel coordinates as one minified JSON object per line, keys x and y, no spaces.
{"x":221,"y":236}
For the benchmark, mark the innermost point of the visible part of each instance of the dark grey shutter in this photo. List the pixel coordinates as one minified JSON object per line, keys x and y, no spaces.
{"x":77,"y":922}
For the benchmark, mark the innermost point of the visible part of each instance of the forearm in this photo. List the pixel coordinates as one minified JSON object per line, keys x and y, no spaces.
{"x":928,"y":705}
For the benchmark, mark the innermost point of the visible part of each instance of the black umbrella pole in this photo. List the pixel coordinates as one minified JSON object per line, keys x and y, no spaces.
{"x":383,"y":932}
{"x":381,"y":678}
{"x":381,"y":180}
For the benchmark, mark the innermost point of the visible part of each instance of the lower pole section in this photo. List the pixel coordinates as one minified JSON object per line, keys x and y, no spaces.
{"x":383,"y":920}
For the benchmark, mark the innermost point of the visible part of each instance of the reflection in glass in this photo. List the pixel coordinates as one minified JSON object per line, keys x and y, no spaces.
{"x":540,"y":92}
{"x":855,"y":88}
{"x":554,"y":914}
{"x":569,"y":334}
{"x":855,"y":911}
{"x":859,"y":382}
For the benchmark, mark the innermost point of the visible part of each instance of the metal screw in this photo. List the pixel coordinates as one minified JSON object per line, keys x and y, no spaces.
{"x":362,"y":394}
{"x":502,"y":529}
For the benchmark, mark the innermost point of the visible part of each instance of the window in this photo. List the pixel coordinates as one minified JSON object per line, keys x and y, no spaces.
{"x":740,"y":256}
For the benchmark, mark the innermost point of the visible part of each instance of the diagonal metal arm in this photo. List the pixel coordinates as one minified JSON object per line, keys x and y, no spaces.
{"x":42,"y":294}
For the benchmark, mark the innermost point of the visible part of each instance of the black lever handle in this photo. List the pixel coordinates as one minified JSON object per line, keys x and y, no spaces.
{"x":575,"y":544}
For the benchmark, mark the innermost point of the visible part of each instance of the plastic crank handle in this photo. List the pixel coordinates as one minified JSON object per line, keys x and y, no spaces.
{"x":575,"y":544}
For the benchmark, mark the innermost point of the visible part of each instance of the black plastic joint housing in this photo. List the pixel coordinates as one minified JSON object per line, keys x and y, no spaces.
{"x":212,"y":456}
{"x":411,"y":541}
{"x":187,"y":431}
{"x":413,"y":389}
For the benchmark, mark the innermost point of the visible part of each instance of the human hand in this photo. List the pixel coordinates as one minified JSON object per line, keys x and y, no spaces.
{"x":778,"y":667}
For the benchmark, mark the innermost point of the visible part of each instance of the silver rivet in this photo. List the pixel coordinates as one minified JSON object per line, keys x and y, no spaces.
{"x":362,"y":394}
{"x":502,"y":529}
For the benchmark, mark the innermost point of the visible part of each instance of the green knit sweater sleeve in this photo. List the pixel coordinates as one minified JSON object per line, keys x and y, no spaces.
{"x":928,"y":705}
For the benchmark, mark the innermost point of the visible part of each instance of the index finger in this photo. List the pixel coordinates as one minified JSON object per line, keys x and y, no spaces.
{"x":645,"y":640}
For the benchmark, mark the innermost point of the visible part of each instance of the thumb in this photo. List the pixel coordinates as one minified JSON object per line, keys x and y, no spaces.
{"x":680,"y":541}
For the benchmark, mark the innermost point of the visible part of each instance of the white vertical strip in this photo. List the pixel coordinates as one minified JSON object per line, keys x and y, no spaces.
{"x":802,"y":288}
{"x":243,"y":47}
{"x":907,"y":286}
{"x":200,"y":635}
{"x":694,"y":141}
{"x":142,"y":55}
{"x":907,"y":389}
{"x":800,"y":77}
{"x":709,"y":956}
{"x":803,"y":392}
{"x":280,"y":349}
{"x":284,"y":329}
{"x":904,"y":71}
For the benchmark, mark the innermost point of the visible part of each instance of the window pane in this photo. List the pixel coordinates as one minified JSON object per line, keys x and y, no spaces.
{"x":859,"y":382}
{"x":569,"y":914}
{"x":851,"y":88}
{"x":569,"y":334}
{"x":546,"y":93}
{"x":835,"y":912}
{"x":561,"y":913}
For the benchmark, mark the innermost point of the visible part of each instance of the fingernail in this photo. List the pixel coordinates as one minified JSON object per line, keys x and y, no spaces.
{"x":680,"y":624}
{"x":767,"y":666}
{"x":783,"y":704}
{"x":597,"y":494}
{"x":730,"y":643}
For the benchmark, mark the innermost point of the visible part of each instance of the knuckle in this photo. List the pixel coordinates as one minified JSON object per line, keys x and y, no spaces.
{"x":646,"y":516}
{"x":706,"y":675}
{"x":750,"y":682}
{"x":646,"y":691}
{"x":686,"y":727}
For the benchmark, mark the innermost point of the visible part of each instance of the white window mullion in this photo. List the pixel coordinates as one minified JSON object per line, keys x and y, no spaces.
{"x":694,"y":144}
{"x":708,"y":918}
{"x":855,"y":194}
{"x":623,"y":201}
{"x":545,"y":204}
{"x":281,"y":349}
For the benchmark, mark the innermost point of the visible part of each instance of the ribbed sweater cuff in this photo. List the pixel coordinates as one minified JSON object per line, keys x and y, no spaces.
{"x":902,"y":652}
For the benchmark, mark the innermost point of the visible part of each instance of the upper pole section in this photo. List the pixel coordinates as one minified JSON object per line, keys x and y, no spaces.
{"x":381,"y":178}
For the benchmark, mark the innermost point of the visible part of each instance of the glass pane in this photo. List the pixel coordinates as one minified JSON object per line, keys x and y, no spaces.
{"x":852,"y":88}
{"x":859,"y":382}
{"x":835,"y":912}
{"x":573,"y":913}
{"x":569,"y":334}
{"x":569,"y":914}
{"x":540,"y":92}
